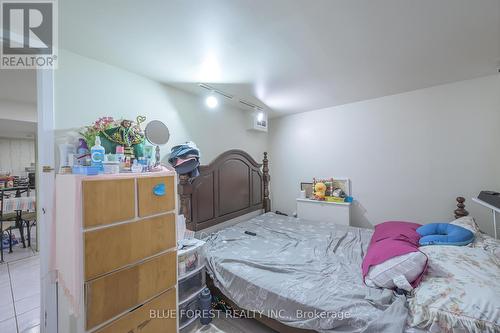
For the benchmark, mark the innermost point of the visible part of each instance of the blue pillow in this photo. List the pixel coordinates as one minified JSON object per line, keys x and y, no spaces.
{"x":444,"y":234}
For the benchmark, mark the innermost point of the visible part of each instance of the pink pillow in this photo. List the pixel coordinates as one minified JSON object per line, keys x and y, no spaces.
{"x":392,"y":239}
{"x":394,"y":229}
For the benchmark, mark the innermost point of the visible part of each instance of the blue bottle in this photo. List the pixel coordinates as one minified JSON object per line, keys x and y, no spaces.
{"x":205,"y":306}
{"x":97,"y":153}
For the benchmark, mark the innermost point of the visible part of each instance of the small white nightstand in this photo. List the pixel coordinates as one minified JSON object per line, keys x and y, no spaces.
{"x":334,"y":212}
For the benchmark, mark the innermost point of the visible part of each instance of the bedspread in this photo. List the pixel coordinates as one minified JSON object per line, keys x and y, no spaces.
{"x":461,"y":291}
{"x":303,"y":274}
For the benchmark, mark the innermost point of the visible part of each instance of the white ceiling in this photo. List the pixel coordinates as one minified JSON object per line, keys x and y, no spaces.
{"x":292,"y":55}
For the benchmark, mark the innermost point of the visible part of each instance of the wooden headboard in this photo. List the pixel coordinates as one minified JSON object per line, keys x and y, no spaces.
{"x":232,"y":185}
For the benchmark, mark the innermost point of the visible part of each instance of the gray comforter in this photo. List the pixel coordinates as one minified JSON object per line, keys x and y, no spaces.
{"x":304,"y":274}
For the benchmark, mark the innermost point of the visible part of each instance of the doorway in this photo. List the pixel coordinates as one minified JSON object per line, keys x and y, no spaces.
{"x":28,"y":287}
{"x":20,"y":288}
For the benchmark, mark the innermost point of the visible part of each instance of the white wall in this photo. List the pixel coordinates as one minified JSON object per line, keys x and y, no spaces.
{"x":86,"y":89}
{"x":17,"y":119}
{"x":408,"y":155}
{"x":15,"y":155}
{"x":19,"y":111}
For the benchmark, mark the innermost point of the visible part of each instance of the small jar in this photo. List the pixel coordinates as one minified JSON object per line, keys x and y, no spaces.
{"x":111,"y":167}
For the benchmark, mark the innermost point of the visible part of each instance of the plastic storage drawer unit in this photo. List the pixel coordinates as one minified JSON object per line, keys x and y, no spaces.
{"x":189,"y":311}
{"x":191,"y":284}
{"x":190,"y":258}
{"x":192,"y":326}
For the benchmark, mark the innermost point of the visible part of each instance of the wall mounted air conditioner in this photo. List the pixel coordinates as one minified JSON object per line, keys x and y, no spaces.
{"x":259,"y":121}
{"x":258,"y":117}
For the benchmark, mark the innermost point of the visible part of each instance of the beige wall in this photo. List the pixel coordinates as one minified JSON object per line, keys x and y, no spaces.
{"x":408,"y":155}
{"x":86,"y":89}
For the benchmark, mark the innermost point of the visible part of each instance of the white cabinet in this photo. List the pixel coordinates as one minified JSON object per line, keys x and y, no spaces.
{"x":334,"y":212}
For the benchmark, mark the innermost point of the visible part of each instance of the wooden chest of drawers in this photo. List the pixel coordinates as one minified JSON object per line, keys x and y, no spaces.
{"x":116,"y":254}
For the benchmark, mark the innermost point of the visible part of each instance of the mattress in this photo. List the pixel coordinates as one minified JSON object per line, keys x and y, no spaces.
{"x":304,"y":274}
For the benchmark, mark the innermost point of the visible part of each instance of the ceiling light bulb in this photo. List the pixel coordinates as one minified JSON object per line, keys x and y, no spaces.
{"x":260,"y":116}
{"x":212,"y":101}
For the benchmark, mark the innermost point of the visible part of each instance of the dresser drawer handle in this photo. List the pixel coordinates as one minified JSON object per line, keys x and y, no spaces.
{"x":159,"y":190}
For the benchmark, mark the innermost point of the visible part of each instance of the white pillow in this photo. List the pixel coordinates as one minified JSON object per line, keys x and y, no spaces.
{"x":409,"y":266}
{"x":468,"y":223}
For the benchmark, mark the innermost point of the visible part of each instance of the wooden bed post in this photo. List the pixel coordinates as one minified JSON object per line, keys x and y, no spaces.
{"x":185,"y":190}
{"x":267,"y":178}
{"x":460,"y":211}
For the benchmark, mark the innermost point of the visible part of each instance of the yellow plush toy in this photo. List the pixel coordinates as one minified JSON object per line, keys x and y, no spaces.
{"x":319,"y":191}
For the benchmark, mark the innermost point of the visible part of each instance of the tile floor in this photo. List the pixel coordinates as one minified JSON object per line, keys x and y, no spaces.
{"x":18,"y":252}
{"x":20,"y":292}
{"x":20,"y":299}
{"x":229,"y":325}
{"x":20,"y":302}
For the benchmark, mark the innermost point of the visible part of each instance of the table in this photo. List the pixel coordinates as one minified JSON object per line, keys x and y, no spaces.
{"x":12,"y":205}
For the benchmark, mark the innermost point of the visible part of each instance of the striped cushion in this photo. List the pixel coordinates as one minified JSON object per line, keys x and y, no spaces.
{"x":408,"y":265}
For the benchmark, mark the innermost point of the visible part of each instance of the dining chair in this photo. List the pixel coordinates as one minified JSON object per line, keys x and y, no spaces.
{"x":10,"y":220}
{"x":20,"y":222}
{"x":29,"y":220}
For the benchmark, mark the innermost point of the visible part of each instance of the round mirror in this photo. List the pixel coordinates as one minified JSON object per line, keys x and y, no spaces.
{"x":157,"y":132}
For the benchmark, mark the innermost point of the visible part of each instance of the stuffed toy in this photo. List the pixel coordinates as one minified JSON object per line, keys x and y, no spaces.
{"x":319,"y":191}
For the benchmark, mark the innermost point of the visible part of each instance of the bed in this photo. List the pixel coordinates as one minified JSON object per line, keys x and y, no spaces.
{"x":300,"y":276}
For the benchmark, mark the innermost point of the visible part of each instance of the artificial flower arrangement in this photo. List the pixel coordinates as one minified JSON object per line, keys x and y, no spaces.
{"x":113,"y":133}
{"x":89,"y":133}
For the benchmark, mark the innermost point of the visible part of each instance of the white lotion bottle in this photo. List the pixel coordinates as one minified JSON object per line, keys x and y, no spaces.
{"x":97,"y":153}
